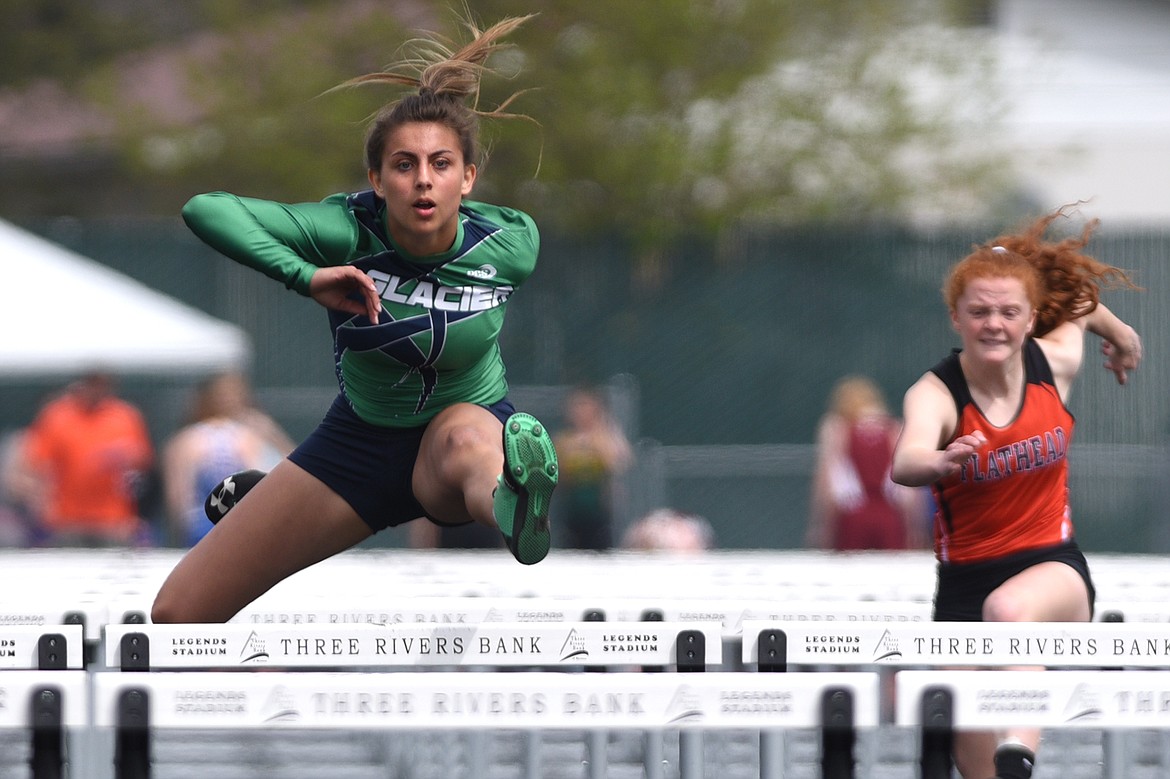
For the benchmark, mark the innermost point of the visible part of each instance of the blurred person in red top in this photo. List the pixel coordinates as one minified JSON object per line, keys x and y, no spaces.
{"x":854,"y":504}
{"x":89,"y":451}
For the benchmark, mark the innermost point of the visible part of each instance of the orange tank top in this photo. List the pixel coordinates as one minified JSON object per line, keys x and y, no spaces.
{"x":1012,"y":495}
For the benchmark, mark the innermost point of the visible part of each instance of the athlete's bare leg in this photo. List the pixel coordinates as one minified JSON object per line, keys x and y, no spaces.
{"x":1048,"y":592}
{"x":287,"y":522}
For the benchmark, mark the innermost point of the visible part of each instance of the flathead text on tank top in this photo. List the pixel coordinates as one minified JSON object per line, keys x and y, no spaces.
{"x":1028,"y":454}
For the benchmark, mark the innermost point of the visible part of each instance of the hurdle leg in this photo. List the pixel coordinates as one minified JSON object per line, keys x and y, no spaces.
{"x":132,"y":736}
{"x":532,"y":764}
{"x":98,"y":750}
{"x":477,"y":744}
{"x":597,"y":750}
{"x":653,"y":754}
{"x":48,"y":735}
{"x":937,"y":733}
{"x":1114,"y":753}
{"x":690,"y":754}
{"x":773,"y":746}
{"x":838,"y":737}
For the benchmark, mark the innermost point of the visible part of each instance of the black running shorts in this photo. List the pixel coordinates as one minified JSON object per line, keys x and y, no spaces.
{"x":370,"y":466}
{"x":962,"y":587}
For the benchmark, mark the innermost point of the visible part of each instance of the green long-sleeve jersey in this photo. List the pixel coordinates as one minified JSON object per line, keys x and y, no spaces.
{"x":436,"y":339}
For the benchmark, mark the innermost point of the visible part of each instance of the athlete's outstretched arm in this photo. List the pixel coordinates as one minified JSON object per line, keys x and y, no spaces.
{"x":304,"y":246}
{"x":284,"y":242}
{"x":920,"y":457}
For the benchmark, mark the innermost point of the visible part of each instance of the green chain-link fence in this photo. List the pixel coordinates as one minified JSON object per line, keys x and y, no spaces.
{"x":720,"y":360}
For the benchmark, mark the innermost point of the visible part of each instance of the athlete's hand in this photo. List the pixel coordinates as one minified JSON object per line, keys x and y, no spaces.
{"x":1121,"y":359}
{"x":960,"y":450}
{"x":332,"y":287}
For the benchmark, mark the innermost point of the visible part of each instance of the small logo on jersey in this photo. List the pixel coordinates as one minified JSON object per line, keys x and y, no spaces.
{"x":483,"y":272}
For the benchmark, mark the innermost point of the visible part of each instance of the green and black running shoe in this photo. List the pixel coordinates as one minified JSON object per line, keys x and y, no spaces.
{"x":525,"y":488}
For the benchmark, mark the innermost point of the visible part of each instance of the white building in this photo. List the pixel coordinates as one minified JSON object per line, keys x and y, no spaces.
{"x":1088,"y":84}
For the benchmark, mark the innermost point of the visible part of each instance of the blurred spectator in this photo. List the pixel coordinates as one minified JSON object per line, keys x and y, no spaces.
{"x":277,"y":443}
{"x":592,"y":451}
{"x":225,"y":433}
{"x":669,"y":530}
{"x":854,"y":504}
{"x":87,"y":453}
{"x":18,"y":493}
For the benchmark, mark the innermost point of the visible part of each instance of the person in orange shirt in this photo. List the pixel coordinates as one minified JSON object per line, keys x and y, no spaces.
{"x":988,"y":430}
{"x":89,"y":450}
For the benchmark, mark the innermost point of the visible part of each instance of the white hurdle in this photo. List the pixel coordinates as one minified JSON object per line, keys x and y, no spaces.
{"x":990,"y":699}
{"x":866,"y":614}
{"x":43,"y":690}
{"x":131,"y":705}
{"x":51,"y":648}
{"x":771,"y":645}
{"x":730,"y":613}
{"x":687,"y":647}
{"x":442,"y":699}
{"x":48,"y":705}
{"x":320,"y":677}
{"x":983,"y":700}
{"x":940,"y":702}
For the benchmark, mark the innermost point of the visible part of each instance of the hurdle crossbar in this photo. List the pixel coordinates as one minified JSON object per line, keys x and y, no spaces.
{"x":731,"y":613}
{"x":453,"y":699}
{"x":29,"y":647}
{"x":135,"y":704}
{"x":686,"y":647}
{"x":774,"y":645}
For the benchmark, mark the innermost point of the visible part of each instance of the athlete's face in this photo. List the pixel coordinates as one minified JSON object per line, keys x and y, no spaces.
{"x":423,"y":179}
{"x":993,"y":317}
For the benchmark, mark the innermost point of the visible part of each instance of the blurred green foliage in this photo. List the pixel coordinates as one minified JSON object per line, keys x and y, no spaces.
{"x":652,"y":120}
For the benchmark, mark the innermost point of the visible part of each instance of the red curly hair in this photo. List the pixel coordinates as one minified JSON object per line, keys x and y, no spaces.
{"x":1061,"y":282}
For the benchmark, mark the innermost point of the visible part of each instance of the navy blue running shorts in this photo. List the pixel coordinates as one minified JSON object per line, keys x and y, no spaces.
{"x":370,"y":466}
{"x":962,"y":587}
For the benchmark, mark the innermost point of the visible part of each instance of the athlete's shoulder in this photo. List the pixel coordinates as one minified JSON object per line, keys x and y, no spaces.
{"x":501,"y":218}
{"x":358,"y":204}
{"x":506,"y":236}
{"x":948,"y":366}
{"x":344,"y":199}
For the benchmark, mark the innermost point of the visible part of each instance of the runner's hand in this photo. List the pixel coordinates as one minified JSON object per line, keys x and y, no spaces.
{"x":1121,"y":360}
{"x":332,"y":287}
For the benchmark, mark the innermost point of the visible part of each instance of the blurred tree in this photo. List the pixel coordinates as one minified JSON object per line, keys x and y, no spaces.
{"x":655,"y":118}
{"x":58,"y":39}
{"x":65,"y":39}
{"x":256,"y":116}
{"x":676,"y":115}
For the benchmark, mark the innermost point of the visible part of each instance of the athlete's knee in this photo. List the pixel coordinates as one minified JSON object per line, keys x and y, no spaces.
{"x":971,"y":767}
{"x":461,"y":444}
{"x":166,"y":609}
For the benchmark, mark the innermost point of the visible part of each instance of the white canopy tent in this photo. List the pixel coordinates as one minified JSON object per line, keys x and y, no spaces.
{"x":62,"y":313}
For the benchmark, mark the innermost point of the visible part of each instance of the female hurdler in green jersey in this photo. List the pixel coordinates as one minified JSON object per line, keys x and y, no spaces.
{"x":416,"y":280}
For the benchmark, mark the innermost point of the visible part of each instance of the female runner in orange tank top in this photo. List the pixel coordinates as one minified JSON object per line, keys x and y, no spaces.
{"x":987,"y":429}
